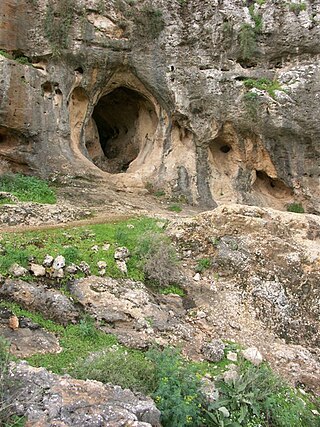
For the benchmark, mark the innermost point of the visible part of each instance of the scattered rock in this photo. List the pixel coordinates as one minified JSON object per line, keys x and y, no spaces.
{"x":213,"y":351}
{"x":121,"y":264}
{"x":106,"y":247}
{"x":121,"y":254}
{"x":48,"y":261}
{"x":59,"y":262}
{"x":102,"y":265}
{"x":197,"y":277}
{"x":85,"y":268}
{"x":253,"y":355}
{"x":17,"y":270}
{"x":13,"y":322}
{"x":209,"y":390}
{"x":71,"y":269}
{"x":58,"y":273}
{"x":231,"y":355}
{"x":37,"y":270}
{"x":95,"y":248}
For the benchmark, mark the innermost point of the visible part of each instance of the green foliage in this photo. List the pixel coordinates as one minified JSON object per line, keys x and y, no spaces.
{"x":172,"y":290}
{"x":297,"y":7}
{"x":269,"y":86}
{"x":177,"y":392}
{"x":175,"y":208}
{"x":295,"y":207}
{"x":27,"y":188}
{"x":76,"y":243}
{"x":58,"y":21}
{"x":127,"y":368}
{"x":258,"y":397}
{"x":6,"y":54}
{"x":203,"y":264}
{"x":71,"y":254}
{"x":247,"y":41}
{"x":77,"y":341}
{"x":257,"y":19}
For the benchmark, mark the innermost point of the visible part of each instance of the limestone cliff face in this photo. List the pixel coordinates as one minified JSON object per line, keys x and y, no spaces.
{"x":167,"y":94}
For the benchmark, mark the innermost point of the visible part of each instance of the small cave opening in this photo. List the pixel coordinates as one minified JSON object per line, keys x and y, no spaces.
{"x":123,"y":122}
{"x":272,"y":186}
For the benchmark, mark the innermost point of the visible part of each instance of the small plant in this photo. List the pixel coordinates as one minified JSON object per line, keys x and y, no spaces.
{"x":203,"y":264}
{"x":295,"y":207}
{"x":27,"y":188}
{"x":158,"y":260}
{"x":175,"y":208}
{"x":172,"y":290}
{"x":128,"y":369}
{"x":71,"y":254}
{"x":248,"y":43}
{"x":270,"y":86}
{"x":159,"y":193}
{"x":6,"y":54}
{"x":177,"y":394}
{"x":297,"y":7}
{"x":149,"y":21}
{"x":87,"y":327}
{"x":58,"y":22}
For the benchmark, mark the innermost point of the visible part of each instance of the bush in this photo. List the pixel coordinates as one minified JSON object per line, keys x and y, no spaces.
{"x":269,"y":86}
{"x":177,"y":393}
{"x":247,"y":41}
{"x":295,"y":207}
{"x":128,"y":369}
{"x":27,"y":188}
{"x":159,"y":260}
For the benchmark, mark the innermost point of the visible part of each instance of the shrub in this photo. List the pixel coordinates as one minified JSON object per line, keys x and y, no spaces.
{"x":247,"y":41}
{"x":295,"y":207}
{"x":269,"y":86}
{"x":27,"y":188}
{"x":158,"y":259}
{"x":177,"y":393}
{"x":128,"y":369}
{"x":297,"y":7}
{"x":203,"y":264}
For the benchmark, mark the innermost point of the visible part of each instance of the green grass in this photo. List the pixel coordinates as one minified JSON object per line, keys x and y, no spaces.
{"x":76,"y":243}
{"x":270,"y":86}
{"x":77,"y":341}
{"x":295,"y":207}
{"x":27,"y":188}
{"x":172,"y":290}
{"x":203,"y":264}
{"x":175,"y":208}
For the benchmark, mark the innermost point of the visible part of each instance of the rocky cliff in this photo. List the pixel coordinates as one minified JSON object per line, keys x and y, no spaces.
{"x":212,"y":101}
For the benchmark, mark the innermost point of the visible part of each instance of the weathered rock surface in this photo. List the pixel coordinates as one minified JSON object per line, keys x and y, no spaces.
{"x":37,"y":297}
{"x":155,"y":93}
{"x":46,"y":399}
{"x":129,"y":310}
{"x":262,"y":288}
{"x":36,"y":214}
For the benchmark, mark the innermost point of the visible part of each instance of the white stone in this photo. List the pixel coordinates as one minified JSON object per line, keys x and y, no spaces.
{"x":101,"y":265}
{"x":122,"y":266}
{"x":48,"y":261}
{"x":37,"y":270}
{"x":59,"y":262}
{"x":106,"y":247}
{"x":17,"y":270}
{"x":121,"y":253}
{"x":71,"y":269}
{"x":58,"y":273}
{"x":197,"y":277}
{"x":231,"y":355}
{"x":253,"y":355}
{"x":95,"y":248}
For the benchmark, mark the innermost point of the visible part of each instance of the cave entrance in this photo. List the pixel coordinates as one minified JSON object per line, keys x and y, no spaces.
{"x":123,"y":121}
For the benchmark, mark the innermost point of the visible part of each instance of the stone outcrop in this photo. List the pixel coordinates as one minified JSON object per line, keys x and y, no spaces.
{"x":157,"y":93}
{"x":46,"y":399}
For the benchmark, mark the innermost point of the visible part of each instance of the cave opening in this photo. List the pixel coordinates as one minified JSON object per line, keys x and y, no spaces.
{"x":123,"y":121}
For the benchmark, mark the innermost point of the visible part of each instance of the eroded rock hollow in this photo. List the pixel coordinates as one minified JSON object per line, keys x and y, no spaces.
{"x":214,"y":102}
